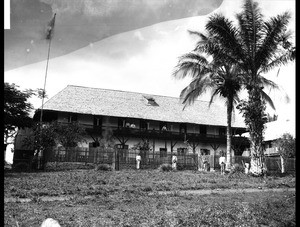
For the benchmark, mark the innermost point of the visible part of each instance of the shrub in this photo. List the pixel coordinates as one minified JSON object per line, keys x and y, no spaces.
{"x":104,"y":167}
{"x":165,"y":167}
{"x":237,"y":170}
{"x":62,"y":166}
{"x":180,"y":167}
{"x":21,"y":167}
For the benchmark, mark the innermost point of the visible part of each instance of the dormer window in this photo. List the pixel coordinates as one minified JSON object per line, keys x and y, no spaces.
{"x":150,"y":101}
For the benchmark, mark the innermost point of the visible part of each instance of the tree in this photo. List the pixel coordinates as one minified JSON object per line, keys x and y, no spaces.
{"x":16,"y":111}
{"x":256,"y":46}
{"x":216,"y":75}
{"x":68,"y":135}
{"x":143,"y":148}
{"x":286,"y":146}
{"x":48,"y":135}
{"x":107,"y":139}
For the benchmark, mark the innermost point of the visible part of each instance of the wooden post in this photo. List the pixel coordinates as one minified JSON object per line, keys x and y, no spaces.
{"x":114,"y":159}
{"x":86,"y":156}
{"x":212,"y":164}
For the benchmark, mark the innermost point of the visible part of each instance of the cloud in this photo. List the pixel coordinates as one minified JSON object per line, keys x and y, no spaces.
{"x":81,"y":22}
{"x":138,"y":35}
{"x":125,"y":62}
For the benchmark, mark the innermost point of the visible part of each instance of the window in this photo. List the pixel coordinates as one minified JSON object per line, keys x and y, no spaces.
{"x":181,"y":151}
{"x":163,"y":152}
{"x":205,"y":151}
{"x":144,"y":125}
{"x":121,"y":122}
{"x":122,"y":146}
{"x":72,"y":118}
{"x":97,"y":121}
{"x":222,"y":131}
{"x":182,"y":128}
{"x":163,"y":126}
{"x":203,"y":129}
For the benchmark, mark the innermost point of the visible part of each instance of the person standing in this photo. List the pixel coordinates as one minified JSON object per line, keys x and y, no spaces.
{"x":222,"y":163}
{"x":138,"y":161}
{"x":174,"y":162}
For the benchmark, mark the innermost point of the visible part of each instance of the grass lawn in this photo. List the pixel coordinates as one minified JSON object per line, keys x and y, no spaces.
{"x":121,"y":198}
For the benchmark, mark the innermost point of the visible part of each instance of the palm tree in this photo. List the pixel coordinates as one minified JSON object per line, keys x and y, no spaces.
{"x":221,"y":79}
{"x":256,"y":46}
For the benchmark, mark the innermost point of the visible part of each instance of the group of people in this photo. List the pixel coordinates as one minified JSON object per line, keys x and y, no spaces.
{"x":139,"y":158}
{"x":222,"y":163}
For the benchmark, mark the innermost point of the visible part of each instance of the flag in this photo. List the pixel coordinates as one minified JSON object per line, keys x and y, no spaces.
{"x":50,"y":28}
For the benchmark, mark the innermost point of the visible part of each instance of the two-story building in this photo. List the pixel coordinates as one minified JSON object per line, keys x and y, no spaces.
{"x":134,"y":117}
{"x":273,"y":131}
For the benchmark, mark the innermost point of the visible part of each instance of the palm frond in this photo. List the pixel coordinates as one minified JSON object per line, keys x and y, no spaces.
{"x":191,"y":64}
{"x":280,"y":60}
{"x":268,"y":99}
{"x":250,"y":22}
{"x":195,"y":89}
{"x":267,"y":83}
{"x":275,"y":37}
{"x":226,"y":39}
{"x":215,"y":92}
{"x":201,"y":35}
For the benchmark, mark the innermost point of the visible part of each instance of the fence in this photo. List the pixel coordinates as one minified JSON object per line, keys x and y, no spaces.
{"x":124,"y":158}
{"x":121,"y":158}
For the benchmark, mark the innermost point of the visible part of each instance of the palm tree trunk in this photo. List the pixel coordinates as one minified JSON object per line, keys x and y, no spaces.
{"x":256,"y":110}
{"x":228,"y":133}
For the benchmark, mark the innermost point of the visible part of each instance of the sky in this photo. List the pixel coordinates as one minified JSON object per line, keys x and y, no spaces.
{"x":130,"y":45}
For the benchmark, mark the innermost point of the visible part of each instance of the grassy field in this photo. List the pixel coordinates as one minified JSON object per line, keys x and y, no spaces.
{"x":121,"y":198}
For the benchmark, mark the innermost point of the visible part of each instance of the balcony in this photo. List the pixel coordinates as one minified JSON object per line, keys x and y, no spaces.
{"x":162,"y":135}
{"x":167,"y":135}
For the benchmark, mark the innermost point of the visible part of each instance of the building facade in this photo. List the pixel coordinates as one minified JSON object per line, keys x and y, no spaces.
{"x":161,"y":121}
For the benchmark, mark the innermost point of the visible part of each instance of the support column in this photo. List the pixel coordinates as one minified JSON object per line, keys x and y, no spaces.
{"x":212,"y":166}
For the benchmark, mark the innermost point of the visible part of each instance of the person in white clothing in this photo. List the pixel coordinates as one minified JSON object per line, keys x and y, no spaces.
{"x":222,"y":163}
{"x":138,"y":161}
{"x":174,"y":162}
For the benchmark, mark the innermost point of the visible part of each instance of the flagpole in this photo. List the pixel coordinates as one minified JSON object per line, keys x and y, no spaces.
{"x":48,"y":36}
{"x":41,"y":117}
{"x":44,"y":91}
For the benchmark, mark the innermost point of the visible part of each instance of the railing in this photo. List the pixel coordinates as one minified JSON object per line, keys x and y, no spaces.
{"x":158,"y":133}
{"x":123,"y":158}
{"x":175,"y":135}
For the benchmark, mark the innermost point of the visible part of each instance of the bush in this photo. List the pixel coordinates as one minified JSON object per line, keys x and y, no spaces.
{"x":165,"y":167}
{"x":104,"y":167}
{"x":62,"y":166}
{"x":180,"y":167}
{"x":21,"y":167}
{"x":237,"y":168}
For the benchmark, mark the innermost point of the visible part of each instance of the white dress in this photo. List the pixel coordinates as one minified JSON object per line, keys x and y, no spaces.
{"x":174,"y":162}
{"x":138,"y":160}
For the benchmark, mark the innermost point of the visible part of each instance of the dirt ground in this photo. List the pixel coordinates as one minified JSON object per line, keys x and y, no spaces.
{"x":139,"y":198}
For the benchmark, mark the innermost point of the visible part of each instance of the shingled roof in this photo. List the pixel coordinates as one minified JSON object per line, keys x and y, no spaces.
{"x":97,"y":101}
